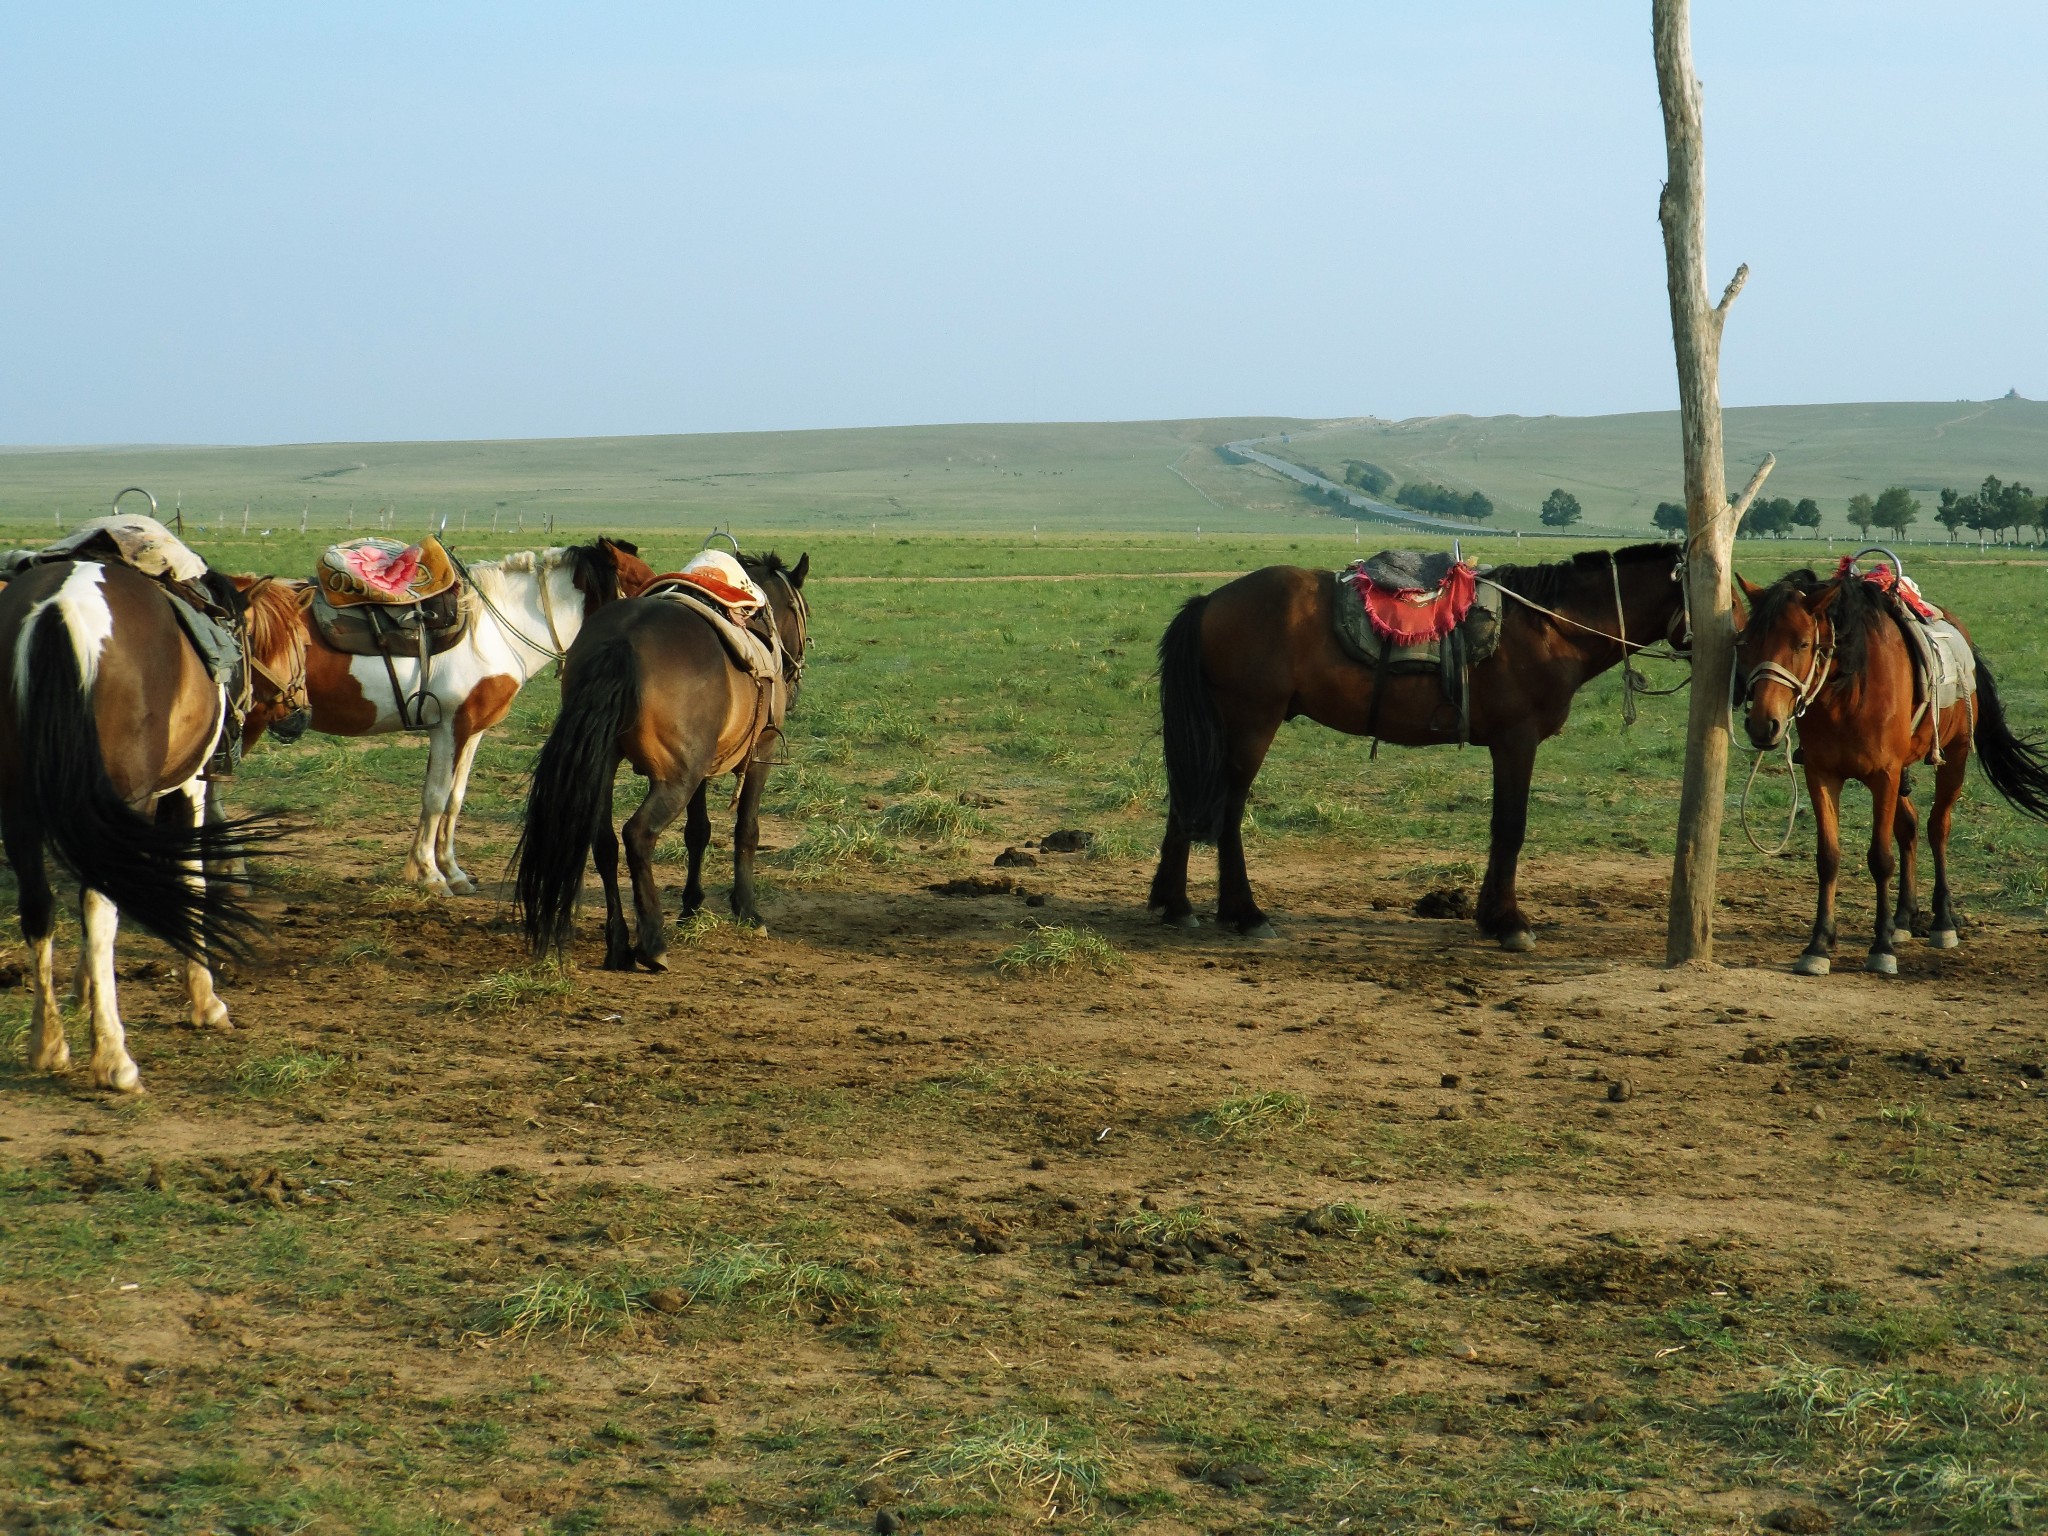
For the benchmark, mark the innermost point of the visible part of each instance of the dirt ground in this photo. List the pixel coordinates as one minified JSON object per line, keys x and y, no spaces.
{"x":1345,"y":1230}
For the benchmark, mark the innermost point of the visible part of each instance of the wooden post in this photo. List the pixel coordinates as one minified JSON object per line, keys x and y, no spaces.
{"x":1711,"y":519}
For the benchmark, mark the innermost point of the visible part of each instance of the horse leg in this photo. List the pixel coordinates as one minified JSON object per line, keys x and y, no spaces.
{"x":696,"y":838}
{"x":459,"y":881}
{"x":1169,"y":896}
{"x":1500,"y":914}
{"x":746,"y":842}
{"x":604,"y":853}
{"x":36,"y":903}
{"x":1235,"y":907}
{"x":419,"y":863}
{"x":207,"y":1010}
{"x":664,"y":802}
{"x":1884,"y":809}
{"x":1826,"y":795}
{"x":112,"y":1066}
{"x":1906,"y":836}
{"x":1948,"y":788}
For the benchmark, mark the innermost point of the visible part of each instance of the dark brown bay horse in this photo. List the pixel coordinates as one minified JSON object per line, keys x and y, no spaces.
{"x":1833,"y":656}
{"x":1238,"y":663}
{"x":107,"y":719}
{"x":650,"y":682}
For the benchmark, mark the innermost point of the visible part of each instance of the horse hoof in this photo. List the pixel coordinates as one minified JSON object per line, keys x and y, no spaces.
{"x":1519,"y":942}
{"x":1263,"y":929}
{"x":1944,"y":938}
{"x":462,"y":885}
{"x":656,"y":963}
{"x":1812,"y":965}
{"x":1187,"y":922}
{"x":1882,"y":964}
{"x":122,"y":1077}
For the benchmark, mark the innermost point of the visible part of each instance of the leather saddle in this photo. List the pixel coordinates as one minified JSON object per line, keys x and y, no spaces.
{"x":1944,"y":667}
{"x":377,"y":597}
{"x":1409,"y":612}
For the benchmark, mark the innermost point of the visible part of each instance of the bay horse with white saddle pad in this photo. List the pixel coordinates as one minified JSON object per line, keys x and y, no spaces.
{"x":1283,"y":642}
{"x":1874,"y":678}
{"x":109,"y":716}
{"x":520,"y":613}
{"x":689,"y":682}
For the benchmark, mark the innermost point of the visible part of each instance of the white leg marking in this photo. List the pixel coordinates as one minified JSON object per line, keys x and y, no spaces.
{"x":420,"y":864}
{"x":112,"y":1066}
{"x":86,"y":616}
{"x":48,"y":1050}
{"x":444,"y":847}
{"x":207,"y":1010}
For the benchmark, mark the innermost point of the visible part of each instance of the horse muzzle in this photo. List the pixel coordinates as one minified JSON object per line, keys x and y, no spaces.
{"x":1766,"y":729}
{"x":292,"y":726}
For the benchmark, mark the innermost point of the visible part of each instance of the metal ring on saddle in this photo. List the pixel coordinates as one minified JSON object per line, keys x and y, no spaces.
{"x":1898,"y":565}
{"x":720,"y":533}
{"x":135,"y":490}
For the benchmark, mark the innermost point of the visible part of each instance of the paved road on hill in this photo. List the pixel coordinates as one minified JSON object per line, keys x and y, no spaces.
{"x":1364,"y":504}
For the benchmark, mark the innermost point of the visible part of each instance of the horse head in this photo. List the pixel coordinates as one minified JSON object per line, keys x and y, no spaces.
{"x":608,"y":570}
{"x":1784,"y":653}
{"x":784,"y":585}
{"x":277,"y":659}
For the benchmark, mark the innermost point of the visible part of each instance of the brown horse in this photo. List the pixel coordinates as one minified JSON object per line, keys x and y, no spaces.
{"x":1832,"y":656}
{"x":650,"y":682}
{"x":106,"y":724}
{"x":1236,"y":664}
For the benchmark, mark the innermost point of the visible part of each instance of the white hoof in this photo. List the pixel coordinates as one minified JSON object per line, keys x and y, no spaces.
{"x":1882,"y":964}
{"x":1811,"y":965}
{"x":1265,"y":930}
{"x":1187,"y":922}
{"x":461,"y":885}
{"x":213,"y":1016}
{"x":1518,"y":943}
{"x":122,"y":1076}
{"x":58,"y":1060}
{"x":1944,"y":938}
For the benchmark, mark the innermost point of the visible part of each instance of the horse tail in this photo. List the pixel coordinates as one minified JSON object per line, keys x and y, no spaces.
{"x":2017,"y":766}
{"x":570,"y":799}
{"x":145,"y":866}
{"x":1197,"y":789}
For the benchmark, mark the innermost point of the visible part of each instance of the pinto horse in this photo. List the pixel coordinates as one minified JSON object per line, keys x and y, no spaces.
{"x":107,"y":720}
{"x":651,"y":683}
{"x":1831,"y":655}
{"x":1236,"y":664}
{"x":532,"y":604}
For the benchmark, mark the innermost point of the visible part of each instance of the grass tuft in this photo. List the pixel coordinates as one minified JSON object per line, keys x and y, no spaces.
{"x":505,"y":991}
{"x":1252,"y":1115}
{"x":286,"y":1071}
{"x":559,"y":1302}
{"x":1054,"y":948}
{"x":1027,"y":1456}
{"x":1175,"y":1226}
{"x":931,"y":815}
{"x":836,"y":845}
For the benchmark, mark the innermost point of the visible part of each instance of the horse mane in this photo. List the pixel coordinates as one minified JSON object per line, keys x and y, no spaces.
{"x":1556,"y":580}
{"x":1857,"y":603}
{"x":769,"y":564}
{"x":276,"y":634}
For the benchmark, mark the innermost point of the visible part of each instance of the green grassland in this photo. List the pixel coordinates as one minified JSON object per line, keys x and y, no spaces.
{"x":1151,"y":477}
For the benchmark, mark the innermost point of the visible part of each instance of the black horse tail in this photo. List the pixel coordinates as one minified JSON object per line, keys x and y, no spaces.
{"x":144,"y":865}
{"x":571,"y":796}
{"x":1197,"y":789}
{"x":2017,"y":766}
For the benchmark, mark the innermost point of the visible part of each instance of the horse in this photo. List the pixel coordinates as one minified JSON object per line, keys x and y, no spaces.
{"x":531,"y":606}
{"x":108,"y":719}
{"x":1832,"y":656}
{"x":1238,"y":662}
{"x":650,"y":682}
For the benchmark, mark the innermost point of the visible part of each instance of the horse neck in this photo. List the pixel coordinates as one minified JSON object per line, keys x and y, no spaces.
{"x":1644,"y":613}
{"x":517,"y":594}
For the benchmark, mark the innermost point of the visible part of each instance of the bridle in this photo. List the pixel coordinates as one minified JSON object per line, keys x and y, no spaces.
{"x":1804,"y":689}
{"x":1677,"y":637}
{"x":291,"y":691}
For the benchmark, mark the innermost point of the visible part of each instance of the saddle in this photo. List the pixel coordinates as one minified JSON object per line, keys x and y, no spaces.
{"x":377,"y":597}
{"x":745,"y":625}
{"x":1407,"y":612}
{"x":1944,"y":668}
{"x":208,"y":607}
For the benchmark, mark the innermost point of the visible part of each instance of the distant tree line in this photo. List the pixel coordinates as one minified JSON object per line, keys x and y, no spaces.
{"x":1369,"y":478}
{"x":1560,"y":509}
{"x":1442,"y":500}
{"x":1994,"y":508}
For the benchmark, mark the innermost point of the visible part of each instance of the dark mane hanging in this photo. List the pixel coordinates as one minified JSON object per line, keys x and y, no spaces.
{"x":1555,"y":580}
{"x":597,"y":570}
{"x":769,"y":564}
{"x":1857,"y":604}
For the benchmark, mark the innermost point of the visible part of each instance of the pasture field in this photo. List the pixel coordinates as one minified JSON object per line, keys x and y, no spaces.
{"x":990,"y":1212}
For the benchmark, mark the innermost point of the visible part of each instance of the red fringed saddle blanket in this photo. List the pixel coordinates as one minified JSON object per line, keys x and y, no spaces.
{"x":1885,"y":579}
{"x":1413,"y":598}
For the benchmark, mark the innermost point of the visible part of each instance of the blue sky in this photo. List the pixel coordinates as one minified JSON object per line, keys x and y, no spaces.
{"x":258,"y":223}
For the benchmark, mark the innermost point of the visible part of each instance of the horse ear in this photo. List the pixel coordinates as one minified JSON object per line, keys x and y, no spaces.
{"x":1748,"y":592}
{"x":626,"y":544}
{"x":1827,"y":596}
{"x":802,"y":569}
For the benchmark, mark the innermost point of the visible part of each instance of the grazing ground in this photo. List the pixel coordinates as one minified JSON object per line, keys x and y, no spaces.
{"x":981,"y":1212}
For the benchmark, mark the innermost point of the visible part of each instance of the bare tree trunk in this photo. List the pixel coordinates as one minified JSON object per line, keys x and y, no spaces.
{"x":1711,"y":520}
